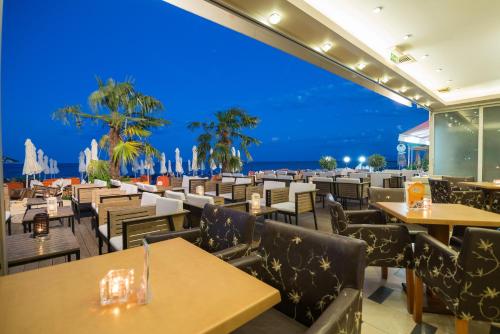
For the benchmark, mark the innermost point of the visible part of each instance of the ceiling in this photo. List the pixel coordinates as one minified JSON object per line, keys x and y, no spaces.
{"x":459,"y":37}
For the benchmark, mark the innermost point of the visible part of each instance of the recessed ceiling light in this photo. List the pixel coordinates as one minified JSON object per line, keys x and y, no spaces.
{"x":361,"y":65}
{"x":403,"y":89}
{"x":439,"y":69}
{"x":378,"y":9}
{"x":417,"y":97}
{"x":405,"y":37}
{"x":274,"y":18}
{"x":424,"y":57}
{"x":385,"y":79}
{"x":326,"y":46}
{"x":428,"y":104}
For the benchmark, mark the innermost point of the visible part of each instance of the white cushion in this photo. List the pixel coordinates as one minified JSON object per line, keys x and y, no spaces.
{"x":309,"y":173}
{"x":167,"y":206}
{"x":243,"y":180}
{"x":150,"y":187}
{"x":128,"y":188}
{"x":268,"y":185}
{"x":116,"y":183}
{"x":296,"y":187}
{"x":347,"y":180}
{"x":227,"y":179}
{"x":175,"y":195}
{"x":140,"y":185}
{"x":7,"y":215}
{"x":227,"y":174}
{"x":285,"y":206}
{"x":117,"y":242}
{"x":285,"y":177}
{"x":148,"y":199}
{"x":377,"y":179}
{"x":282,"y":172}
{"x":322,"y":179}
{"x":227,"y":196}
{"x":100,"y":183}
{"x":269,"y":176}
{"x":103,"y":228}
{"x":238,"y":174}
{"x":95,"y":207}
{"x":199,"y":200}
{"x":35,"y":183}
{"x":211,"y":193}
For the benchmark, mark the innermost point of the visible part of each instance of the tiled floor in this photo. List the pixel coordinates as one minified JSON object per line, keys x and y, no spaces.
{"x":384,"y":302}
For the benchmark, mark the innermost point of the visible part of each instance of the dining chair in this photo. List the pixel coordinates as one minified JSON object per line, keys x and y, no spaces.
{"x":320,"y":291}
{"x":467,"y":282}
{"x":299,"y":198}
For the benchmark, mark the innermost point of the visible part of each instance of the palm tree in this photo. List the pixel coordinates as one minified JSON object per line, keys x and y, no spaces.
{"x":129,"y":114}
{"x":223,"y":133}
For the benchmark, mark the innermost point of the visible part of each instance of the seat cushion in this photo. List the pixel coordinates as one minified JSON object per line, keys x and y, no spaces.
{"x":148,"y":199}
{"x":285,"y":206}
{"x":103,"y":228}
{"x":117,"y":242}
{"x":296,"y":187}
{"x":268,"y":185}
{"x":210,"y":193}
{"x":168,"y":206}
{"x":175,"y":195}
{"x":272,"y":321}
{"x":199,"y":200}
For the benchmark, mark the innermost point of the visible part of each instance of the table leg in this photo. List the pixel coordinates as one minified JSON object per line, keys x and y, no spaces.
{"x":72,"y":222}
{"x":78,"y":255}
{"x":440,"y":232}
{"x":69,"y":257}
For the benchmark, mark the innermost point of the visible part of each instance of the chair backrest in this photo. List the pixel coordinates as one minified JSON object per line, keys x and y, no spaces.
{"x":222,"y":228}
{"x":323,"y":184}
{"x":238,"y":206}
{"x":168,"y":206}
{"x":348,"y":180}
{"x":239,"y":192}
{"x":395,"y":181}
{"x":193,"y":183}
{"x":136,"y":229}
{"x":175,"y":195}
{"x":440,"y":191}
{"x":117,"y":215}
{"x":377,"y":179}
{"x":378,"y":194}
{"x":269,"y":176}
{"x":97,"y":193}
{"x":121,"y":202}
{"x":149,"y":199}
{"x":129,"y":188}
{"x":268,"y":185}
{"x":83,"y":192}
{"x":338,"y":218}
{"x":454,"y":180}
{"x":101,"y":183}
{"x":199,"y":200}
{"x":293,"y":253}
{"x":254,"y":189}
{"x":358,"y":175}
{"x":296,"y":187}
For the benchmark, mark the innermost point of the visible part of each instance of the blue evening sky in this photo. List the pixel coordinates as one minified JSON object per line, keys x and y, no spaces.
{"x":53,"y":49}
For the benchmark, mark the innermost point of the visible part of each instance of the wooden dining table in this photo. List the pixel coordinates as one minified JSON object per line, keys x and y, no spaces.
{"x":192,"y":292}
{"x":441,"y":217}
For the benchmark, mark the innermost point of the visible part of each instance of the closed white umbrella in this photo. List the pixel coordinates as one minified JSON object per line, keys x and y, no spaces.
{"x":40,"y":157}
{"x":56,"y":169}
{"x":169,"y":169}
{"x":141,"y":167}
{"x":178,"y":162}
{"x":51,"y":166}
{"x":31,"y":166}
{"x":202,"y":167}
{"x":233,"y":151}
{"x":189,"y":166}
{"x":87,"y":158}
{"x":45,"y":165}
{"x":182,"y":168}
{"x":151,"y":166}
{"x":81,"y":164}
{"x":123,"y":168}
{"x":163,"y":167}
{"x":93,"y":150}
{"x":135,"y":166}
{"x":194,"y":165}
{"x":239,"y":158}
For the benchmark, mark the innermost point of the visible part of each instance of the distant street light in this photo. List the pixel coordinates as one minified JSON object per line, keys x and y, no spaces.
{"x":347,"y":160}
{"x":362,"y":159}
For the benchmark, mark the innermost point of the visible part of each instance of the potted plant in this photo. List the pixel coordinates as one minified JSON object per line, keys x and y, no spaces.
{"x":327,"y":162}
{"x":377,"y":162}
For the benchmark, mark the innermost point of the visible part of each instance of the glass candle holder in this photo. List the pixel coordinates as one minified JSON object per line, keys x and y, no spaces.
{"x":116,"y":286}
{"x":52,"y":206}
{"x":427,"y":203}
{"x":200,"y":190}
{"x":255,"y":201}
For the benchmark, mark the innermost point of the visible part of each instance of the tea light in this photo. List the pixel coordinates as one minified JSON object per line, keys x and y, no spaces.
{"x":427,"y":203}
{"x":116,"y":286}
{"x":52,"y":206}
{"x":41,"y":225}
{"x":255,"y":201}
{"x":200,"y":190}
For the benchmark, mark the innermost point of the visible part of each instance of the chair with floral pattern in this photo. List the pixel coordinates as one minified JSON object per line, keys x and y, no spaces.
{"x":320,"y":290}
{"x":224,"y":232}
{"x":389,"y":245}
{"x":468,"y":282}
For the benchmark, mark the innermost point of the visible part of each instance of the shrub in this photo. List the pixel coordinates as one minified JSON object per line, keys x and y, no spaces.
{"x":376,"y":161}
{"x":99,"y":169}
{"x":327,"y":162}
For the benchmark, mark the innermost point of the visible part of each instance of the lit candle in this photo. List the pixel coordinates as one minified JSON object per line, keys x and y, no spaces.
{"x":200,"y":190}
{"x":255,"y":201}
{"x":115,"y":287}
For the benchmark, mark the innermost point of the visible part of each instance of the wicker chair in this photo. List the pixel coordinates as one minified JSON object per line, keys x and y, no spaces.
{"x":351,"y":189}
{"x":324,"y":186}
{"x":224,"y":232}
{"x":317,"y":295}
{"x":467,"y":282}
{"x":389,"y":245}
{"x":293,"y":201}
{"x":395,"y":181}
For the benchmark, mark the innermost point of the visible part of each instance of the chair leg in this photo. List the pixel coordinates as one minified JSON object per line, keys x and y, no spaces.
{"x":100,"y":246}
{"x":296,"y":219}
{"x":418,"y":297}
{"x":315,"y":219}
{"x":410,"y":290}
{"x":385,"y":272}
{"x":461,"y":326}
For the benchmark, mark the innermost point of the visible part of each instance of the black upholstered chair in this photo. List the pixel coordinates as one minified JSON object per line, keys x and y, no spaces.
{"x":441,"y":192}
{"x":224,"y":232}
{"x":388,"y":245}
{"x":320,"y":290}
{"x":495,"y":202}
{"x":468,"y":282}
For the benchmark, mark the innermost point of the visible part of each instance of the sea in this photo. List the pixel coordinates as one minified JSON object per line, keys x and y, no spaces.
{"x":14,"y":171}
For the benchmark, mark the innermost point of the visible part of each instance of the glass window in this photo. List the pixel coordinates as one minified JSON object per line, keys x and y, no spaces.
{"x":491,"y":143}
{"x":455,"y":143}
